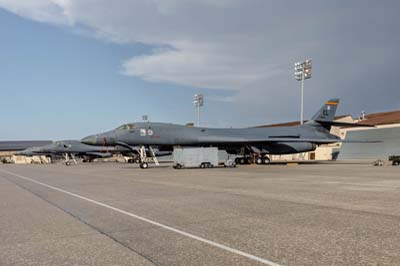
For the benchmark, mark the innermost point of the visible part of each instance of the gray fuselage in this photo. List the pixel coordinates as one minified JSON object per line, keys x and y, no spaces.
{"x":262,"y":139}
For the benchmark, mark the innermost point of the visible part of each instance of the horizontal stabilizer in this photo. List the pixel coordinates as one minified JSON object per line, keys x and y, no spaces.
{"x":342,"y":124}
{"x":284,"y":136}
{"x":361,"y":141}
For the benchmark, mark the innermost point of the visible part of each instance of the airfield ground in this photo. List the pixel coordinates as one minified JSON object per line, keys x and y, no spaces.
{"x":118,"y":214}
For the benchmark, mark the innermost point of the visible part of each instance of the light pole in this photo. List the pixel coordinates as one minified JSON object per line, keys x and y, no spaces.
{"x":302,"y":71}
{"x":198,"y":102}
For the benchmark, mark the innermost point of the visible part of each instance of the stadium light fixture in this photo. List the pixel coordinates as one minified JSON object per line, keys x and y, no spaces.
{"x":302,"y":71}
{"x":198,"y":102}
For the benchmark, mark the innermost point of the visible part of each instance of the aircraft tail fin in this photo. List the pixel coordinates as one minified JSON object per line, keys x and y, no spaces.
{"x":326,"y":115}
{"x":327,"y":112}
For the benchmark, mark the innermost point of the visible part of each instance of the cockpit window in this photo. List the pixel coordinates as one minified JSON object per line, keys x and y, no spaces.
{"x":127,"y":127}
{"x":63,"y":145}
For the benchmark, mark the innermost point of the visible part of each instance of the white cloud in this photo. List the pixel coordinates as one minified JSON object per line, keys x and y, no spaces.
{"x":204,"y":66}
{"x":245,"y":46}
{"x":40,"y":10}
{"x":224,"y":99}
{"x":206,"y":51}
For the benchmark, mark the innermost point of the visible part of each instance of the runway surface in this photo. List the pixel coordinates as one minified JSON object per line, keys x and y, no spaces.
{"x":118,"y":214}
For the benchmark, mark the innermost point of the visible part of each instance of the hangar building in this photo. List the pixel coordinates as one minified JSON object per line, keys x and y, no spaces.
{"x":387,"y":130}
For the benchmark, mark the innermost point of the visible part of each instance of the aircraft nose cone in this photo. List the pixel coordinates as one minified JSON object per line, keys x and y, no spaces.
{"x":90,"y":140}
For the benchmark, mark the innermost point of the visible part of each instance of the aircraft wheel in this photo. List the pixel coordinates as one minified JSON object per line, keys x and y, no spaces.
{"x":67,"y":163}
{"x":266,"y":160}
{"x":259,"y":160}
{"x":242,"y":161}
{"x":144,"y":165}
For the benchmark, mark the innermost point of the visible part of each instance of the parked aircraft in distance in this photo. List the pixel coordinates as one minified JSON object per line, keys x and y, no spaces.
{"x":258,"y":141}
{"x":72,"y":148}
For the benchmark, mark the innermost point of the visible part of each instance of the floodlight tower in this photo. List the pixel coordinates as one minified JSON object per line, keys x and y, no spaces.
{"x":302,"y":71}
{"x":198,"y":102}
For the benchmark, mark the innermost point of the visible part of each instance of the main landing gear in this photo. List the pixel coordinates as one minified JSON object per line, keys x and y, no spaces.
{"x":262,"y":160}
{"x":250,"y":159}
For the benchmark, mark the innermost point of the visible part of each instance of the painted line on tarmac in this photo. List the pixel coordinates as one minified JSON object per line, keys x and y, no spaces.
{"x":166,"y":227}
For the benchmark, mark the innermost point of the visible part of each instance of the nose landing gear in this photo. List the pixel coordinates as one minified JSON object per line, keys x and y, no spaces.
{"x":144,"y":165}
{"x":68,"y":160}
{"x":144,"y":159}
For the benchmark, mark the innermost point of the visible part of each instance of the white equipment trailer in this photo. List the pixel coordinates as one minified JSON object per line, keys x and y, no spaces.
{"x":191,"y":157}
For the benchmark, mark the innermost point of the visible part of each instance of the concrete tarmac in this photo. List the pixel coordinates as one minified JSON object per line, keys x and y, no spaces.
{"x":118,"y":214}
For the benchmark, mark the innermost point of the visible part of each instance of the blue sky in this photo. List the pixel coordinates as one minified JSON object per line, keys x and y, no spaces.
{"x":72,"y":68}
{"x":57,"y":84}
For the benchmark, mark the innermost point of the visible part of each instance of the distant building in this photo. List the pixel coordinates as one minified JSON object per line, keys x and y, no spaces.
{"x":387,"y":130}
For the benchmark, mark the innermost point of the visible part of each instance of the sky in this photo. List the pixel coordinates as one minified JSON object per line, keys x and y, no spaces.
{"x":70,"y":68}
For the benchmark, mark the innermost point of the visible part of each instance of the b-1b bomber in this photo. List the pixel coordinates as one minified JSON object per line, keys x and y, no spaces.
{"x":259,"y":142}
